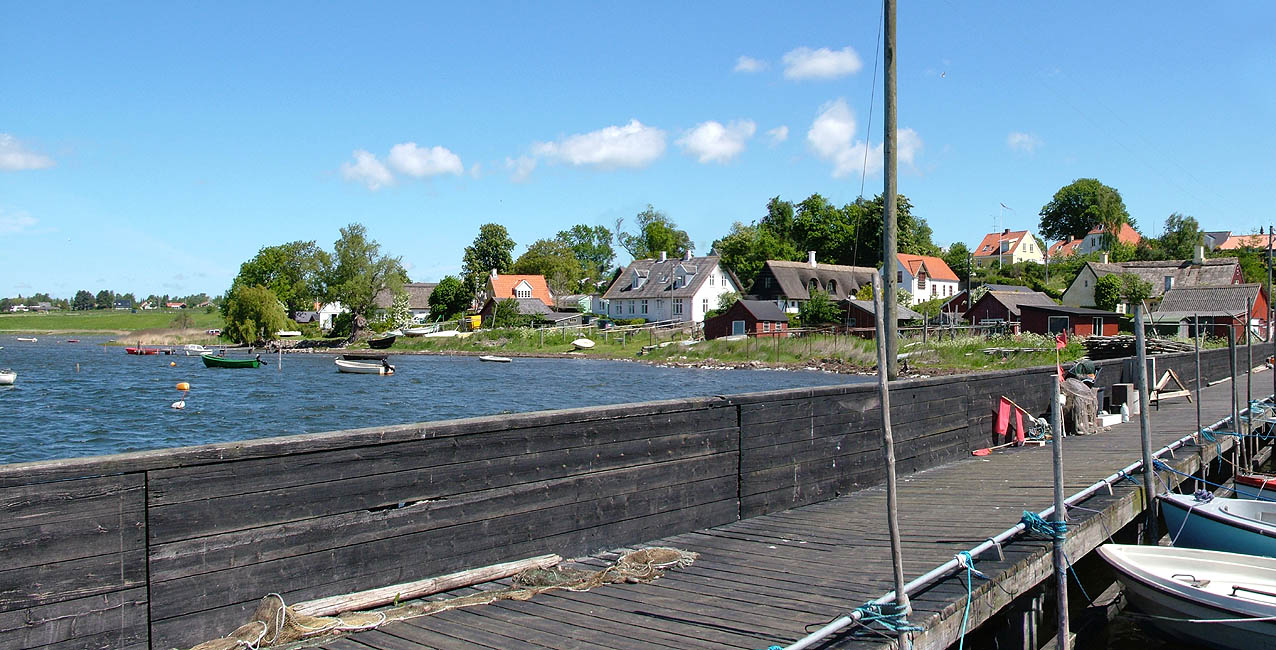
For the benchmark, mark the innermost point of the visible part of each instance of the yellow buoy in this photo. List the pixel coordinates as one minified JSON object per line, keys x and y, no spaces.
{"x":181,"y":385}
{"x":172,"y":364}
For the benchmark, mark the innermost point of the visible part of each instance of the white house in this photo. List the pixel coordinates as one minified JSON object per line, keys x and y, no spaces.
{"x":328,"y":312}
{"x":670,"y":289}
{"x":925,"y":277}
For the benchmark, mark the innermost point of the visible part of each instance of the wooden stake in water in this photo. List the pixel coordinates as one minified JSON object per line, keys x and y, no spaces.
{"x":888,"y":448}
{"x":1145,"y":429}
{"x":1060,"y":514}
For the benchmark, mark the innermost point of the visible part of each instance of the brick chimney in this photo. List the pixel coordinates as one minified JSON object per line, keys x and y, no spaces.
{"x":493,"y":274}
{"x":664,"y":256}
{"x":810,"y":258}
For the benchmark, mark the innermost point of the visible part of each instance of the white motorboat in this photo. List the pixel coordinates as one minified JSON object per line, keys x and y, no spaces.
{"x":28,"y":339}
{"x":583,"y":344}
{"x":495,"y":359}
{"x":7,"y":377}
{"x":286,"y":333}
{"x":194,"y":350}
{"x":364,"y":367}
{"x":1184,"y":591}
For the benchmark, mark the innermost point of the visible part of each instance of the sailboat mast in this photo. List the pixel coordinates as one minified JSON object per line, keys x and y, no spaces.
{"x":890,"y":235}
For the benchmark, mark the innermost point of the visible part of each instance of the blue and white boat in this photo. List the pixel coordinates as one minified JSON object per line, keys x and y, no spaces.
{"x":1220,"y":524}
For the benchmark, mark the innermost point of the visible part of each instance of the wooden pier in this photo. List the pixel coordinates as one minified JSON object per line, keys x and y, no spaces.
{"x":770,"y":579}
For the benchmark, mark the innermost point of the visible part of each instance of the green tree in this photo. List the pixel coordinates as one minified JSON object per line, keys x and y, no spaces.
{"x":725,"y":301}
{"x":1107,"y":292}
{"x":253,"y":315}
{"x":656,"y":234}
{"x":1179,"y":239}
{"x":553,"y":259}
{"x":293,"y":271}
{"x":105,"y":299}
{"x":356,"y":271}
{"x":1080,"y":206}
{"x":865,"y":292}
{"x":83,"y":301}
{"x":399,"y":314}
{"x":914,"y":233}
{"x":747,"y":248}
{"x":506,"y":314}
{"x":183,"y":320}
{"x":819,"y":309}
{"x":592,"y":247}
{"x":449,"y":299}
{"x":958,"y":259}
{"x":493,"y":249}
{"x":820,"y":226}
{"x":1134,"y":290}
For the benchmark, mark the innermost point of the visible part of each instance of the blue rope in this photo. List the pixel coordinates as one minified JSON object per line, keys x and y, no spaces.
{"x":967,"y":560}
{"x":1218,"y":448}
{"x":1038,"y":527}
{"x":895,"y":622}
{"x":1162,"y":466}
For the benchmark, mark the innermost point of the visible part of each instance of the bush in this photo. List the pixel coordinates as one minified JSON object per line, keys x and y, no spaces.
{"x":342,"y":325}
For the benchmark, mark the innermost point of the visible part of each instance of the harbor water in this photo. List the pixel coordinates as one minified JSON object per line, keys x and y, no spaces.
{"x":85,"y":398}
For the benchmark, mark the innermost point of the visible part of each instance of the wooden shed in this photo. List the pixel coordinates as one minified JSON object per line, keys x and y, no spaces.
{"x":752,"y":317}
{"x":1076,"y":321}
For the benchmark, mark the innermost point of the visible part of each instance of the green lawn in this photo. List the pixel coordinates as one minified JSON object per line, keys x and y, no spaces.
{"x":106,"y":320}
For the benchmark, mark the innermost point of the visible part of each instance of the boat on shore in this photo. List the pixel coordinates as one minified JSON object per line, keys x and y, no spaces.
{"x":286,"y":333}
{"x":28,"y":339}
{"x":213,"y":361}
{"x":495,"y":359}
{"x":141,"y":351}
{"x":381,"y":343}
{"x":7,"y":377}
{"x":364,"y":367}
{"x":1220,"y":524}
{"x":583,"y":344}
{"x":441,"y":334}
{"x":1184,"y":591}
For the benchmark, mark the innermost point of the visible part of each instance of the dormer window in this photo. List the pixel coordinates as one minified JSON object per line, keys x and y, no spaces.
{"x":832,"y":287}
{"x":523,"y":290}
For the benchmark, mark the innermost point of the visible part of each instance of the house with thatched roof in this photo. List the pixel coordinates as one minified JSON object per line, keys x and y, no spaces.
{"x":1163,"y":275}
{"x":789,"y":284}
{"x":418,"y":299}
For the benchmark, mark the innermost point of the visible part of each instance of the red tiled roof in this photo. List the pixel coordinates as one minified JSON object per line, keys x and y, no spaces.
{"x":936,"y":267}
{"x":1257,"y":240}
{"x":1064,"y":248}
{"x":502,"y":287}
{"x":992,"y":242}
{"x":1125,"y":235}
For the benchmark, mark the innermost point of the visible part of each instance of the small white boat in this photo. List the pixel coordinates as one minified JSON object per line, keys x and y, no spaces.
{"x":583,"y":344}
{"x":494,"y":359}
{"x":1184,"y":589}
{"x":441,"y":334}
{"x":7,"y":377}
{"x":418,"y":331}
{"x":28,"y":339}
{"x":288,"y":333}
{"x":393,"y":333}
{"x":194,"y":350}
{"x":1220,"y":524}
{"x":364,"y":367}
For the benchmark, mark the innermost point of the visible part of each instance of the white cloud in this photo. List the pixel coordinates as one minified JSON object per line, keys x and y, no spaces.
{"x":805,"y":63}
{"x":778,"y":134}
{"x":832,"y":137}
{"x":15,"y":222}
{"x":749,"y":64}
{"x":712,"y":142}
{"x":632,"y":145}
{"x":1024,"y":142}
{"x":368,"y":170}
{"x":14,"y":157}
{"x":408,"y":158}
{"x":521,"y":167}
{"x":476,"y":170}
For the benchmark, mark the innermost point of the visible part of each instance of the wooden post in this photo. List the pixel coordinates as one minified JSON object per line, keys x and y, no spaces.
{"x":1250,"y":447}
{"x":1060,"y":516}
{"x":777,"y":348}
{"x":1196,"y":344}
{"x":1236,"y":414}
{"x":1150,"y":535}
{"x":542,"y":333}
{"x":888,"y":449}
{"x":890,"y":263}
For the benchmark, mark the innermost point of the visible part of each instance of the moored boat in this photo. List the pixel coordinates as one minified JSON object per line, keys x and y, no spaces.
{"x":28,"y":339}
{"x":364,"y":367}
{"x":7,"y":377}
{"x":213,"y":361}
{"x":141,"y":351}
{"x":495,"y":359}
{"x":194,"y":350}
{"x":283,"y":333}
{"x":1220,"y":524}
{"x":1184,"y":591}
{"x":583,"y":344}
{"x":364,"y":355}
{"x":1262,"y":485}
{"x":382,"y":342}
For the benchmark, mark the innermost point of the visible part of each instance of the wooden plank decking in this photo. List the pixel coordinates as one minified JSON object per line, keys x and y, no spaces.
{"x":765,"y":580}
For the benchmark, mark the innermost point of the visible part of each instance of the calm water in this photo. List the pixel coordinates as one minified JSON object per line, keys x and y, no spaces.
{"x":115,"y":402}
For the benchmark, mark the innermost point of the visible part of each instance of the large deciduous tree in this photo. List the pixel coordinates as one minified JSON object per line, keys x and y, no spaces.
{"x":356,"y":271}
{"x":292,"y":271}
{"x":592,"y":247}
{"x":253,"y":314}
{"x":105,"y":299}
{"x":450,"y":298}
{"x":958,"y":259}
{"x":1079,"y":207}
{"x":656,"y":234}
{"x":553,"y":259}
{"x":493,"y":249}
{"x":83,"y":301}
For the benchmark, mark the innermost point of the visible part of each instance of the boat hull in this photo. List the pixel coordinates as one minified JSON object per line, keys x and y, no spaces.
{"x":1261,"y":486}
{"x":583,"y":344}
{"x":494,"y":359}
{"x":363,"y":368}
{"x":381,"y":343}
{"x":7,"y":378}
{"x":1212,"y":527}
{"x":141,"y":351}
{"x":222,"y":362}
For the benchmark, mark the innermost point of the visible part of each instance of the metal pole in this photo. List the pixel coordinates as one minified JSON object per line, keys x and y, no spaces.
{"x":1196,"y":345}
{"x":1270,"y":311}
{"x":890,"y":262}
{"x":1145,"y":429}
{"x":1250,"y":448}
{"x":1236,"y":420}
{"x":888,"y":448}
{"x":1060,"y":516}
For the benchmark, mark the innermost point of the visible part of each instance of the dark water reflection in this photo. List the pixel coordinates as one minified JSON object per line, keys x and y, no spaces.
{"x":81,"y":399}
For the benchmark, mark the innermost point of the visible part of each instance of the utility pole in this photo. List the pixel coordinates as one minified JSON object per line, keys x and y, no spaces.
{"x":890,"y":262}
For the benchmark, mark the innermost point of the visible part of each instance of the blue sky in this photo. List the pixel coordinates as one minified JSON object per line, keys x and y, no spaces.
{"x":154,"y":147}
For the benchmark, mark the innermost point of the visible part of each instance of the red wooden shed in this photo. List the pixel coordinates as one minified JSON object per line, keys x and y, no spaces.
{"x":1076,"y":321}
{"x":752,"y":317}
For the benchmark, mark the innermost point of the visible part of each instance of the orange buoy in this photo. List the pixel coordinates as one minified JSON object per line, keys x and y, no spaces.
{"x":181,"y":385}
{"x":172,"y":364}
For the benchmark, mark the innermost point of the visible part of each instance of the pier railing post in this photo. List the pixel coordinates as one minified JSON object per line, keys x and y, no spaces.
{"x":1145,"y":429}
{"x":1060,"y":517}
{"x":888,"y":448}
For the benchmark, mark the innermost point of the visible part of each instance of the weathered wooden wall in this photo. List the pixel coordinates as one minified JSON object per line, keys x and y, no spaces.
{"x":169,"y":548}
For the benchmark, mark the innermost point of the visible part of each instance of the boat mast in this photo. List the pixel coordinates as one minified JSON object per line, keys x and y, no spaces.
{"x":890,"y":262}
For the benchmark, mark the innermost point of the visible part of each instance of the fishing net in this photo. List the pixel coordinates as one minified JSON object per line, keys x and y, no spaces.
{"x":275,"y":623}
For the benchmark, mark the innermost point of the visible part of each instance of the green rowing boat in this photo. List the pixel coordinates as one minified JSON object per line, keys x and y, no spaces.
{"x":213,"y":361}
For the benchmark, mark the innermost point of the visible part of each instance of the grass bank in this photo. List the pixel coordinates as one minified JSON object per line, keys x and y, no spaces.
{"x":108,"y":321}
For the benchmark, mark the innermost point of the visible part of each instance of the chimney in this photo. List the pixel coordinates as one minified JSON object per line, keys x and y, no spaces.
{"x":1199,"y":256}
{"x":810,"y":258}
{"x":493,"y":274}
{"x":1006,"y":231}
{"x":687,"y":255}
{"x":1104,"y":257}
{"x":663,"y":256}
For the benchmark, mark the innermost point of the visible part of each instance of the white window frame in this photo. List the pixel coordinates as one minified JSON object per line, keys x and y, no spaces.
{"x":677,"y":307}
{"x":644,"y":307}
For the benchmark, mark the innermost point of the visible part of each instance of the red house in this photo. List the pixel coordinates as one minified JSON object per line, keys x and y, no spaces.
{"x":1076,"y":321}
{"x":751,"y":317}
{"x":1216,"y":307}
{"x":1004,"y":306}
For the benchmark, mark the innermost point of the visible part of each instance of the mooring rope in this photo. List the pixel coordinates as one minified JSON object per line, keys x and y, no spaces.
{"x":1161,"y":465}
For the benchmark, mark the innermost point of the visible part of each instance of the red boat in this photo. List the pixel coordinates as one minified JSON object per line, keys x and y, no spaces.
{"x":1264,"y":482}
{"x":141,"y":350}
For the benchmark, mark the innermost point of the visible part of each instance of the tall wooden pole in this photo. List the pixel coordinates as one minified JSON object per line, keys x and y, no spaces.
{"x":1271,"y":311}
{"x":1196,"y":345}
{"x":1236,"y":415}
{"x":1251,"y":448}
{"x":1145,"y":429}
{"x":888,"y":449}
{"x":890,"y":263}
{"x":1060,"y":515}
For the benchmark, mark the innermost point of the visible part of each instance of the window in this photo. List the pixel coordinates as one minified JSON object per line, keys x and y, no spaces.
{"x":704,"y":305}
{"x":1169,"y":282}
{"x":766,"y":282}
{"x":644,"y":306}
{"x":766,"y":326}
{"x":677,"y":307}
{"x":832,"y":287}
{"x":899,"y":277}
{"x":1058,"y":324}
{"x":660,"y":304}
{"x":1098,"y":326}
{"x":737,"y":327}
{"x":813,"y":285}
{"x":631,"y":306}
{"x":711,"y":279}
{"x":921,"y":280}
